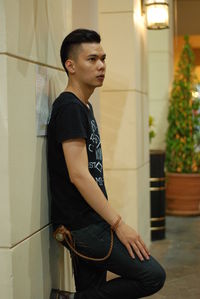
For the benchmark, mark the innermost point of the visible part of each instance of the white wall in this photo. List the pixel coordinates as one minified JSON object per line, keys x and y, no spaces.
{"x":31,"y":34}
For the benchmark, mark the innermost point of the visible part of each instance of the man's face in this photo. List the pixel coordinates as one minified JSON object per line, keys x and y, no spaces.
{"x":90,"y":65}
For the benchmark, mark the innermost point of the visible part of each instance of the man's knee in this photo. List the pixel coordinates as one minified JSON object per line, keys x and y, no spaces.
{"x":157,"y":280}
{"x":160,"y":278}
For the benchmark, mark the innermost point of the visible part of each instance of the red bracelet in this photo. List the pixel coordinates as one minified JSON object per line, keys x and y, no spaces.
{"x":116,"y":224}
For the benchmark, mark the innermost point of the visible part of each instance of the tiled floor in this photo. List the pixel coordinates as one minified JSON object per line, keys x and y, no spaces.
{"x":179,"y":253}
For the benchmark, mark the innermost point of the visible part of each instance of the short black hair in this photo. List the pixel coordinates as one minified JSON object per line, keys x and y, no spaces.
{"x":75,"y":38}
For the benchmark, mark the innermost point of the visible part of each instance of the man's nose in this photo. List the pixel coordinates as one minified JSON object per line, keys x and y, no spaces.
{"x":101,"y":64}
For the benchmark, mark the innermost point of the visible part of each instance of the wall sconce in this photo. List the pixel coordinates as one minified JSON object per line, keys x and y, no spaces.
{"x":157,"y":14}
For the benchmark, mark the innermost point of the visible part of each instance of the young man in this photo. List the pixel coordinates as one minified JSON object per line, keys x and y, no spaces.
{"x":80,"y":208}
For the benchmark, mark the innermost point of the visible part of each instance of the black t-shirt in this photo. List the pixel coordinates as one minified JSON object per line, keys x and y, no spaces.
{"x":71,"y":119}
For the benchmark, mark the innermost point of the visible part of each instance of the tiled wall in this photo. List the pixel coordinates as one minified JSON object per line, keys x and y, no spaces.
{"x":160,"y":75}
{"x":31,"y":32}
{"x":124,"y":111}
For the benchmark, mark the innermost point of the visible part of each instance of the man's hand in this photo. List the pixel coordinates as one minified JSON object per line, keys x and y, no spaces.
{"x":132,"y":241}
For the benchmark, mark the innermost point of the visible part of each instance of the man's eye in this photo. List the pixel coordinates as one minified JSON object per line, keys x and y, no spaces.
{"x":91,"y":59}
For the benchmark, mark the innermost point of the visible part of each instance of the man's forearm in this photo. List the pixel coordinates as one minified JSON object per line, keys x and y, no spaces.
{"x":93,"y":195}
{"x":96,"y":199}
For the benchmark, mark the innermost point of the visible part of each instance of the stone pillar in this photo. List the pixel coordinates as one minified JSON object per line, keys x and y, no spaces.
{"x":124,"y":112}
{"x":31,"y":33}
{"x":160,"y":75}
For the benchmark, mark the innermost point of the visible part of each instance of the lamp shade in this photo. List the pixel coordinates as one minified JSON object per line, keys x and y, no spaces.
{"x":157,"y":14}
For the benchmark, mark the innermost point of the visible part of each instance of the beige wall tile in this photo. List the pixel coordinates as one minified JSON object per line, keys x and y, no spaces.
{"x":159,"y":40}
{"x":68,"y":281}
{"x":5,"y":228}
{"x":118,"y":124}
{"x":2,"y":27}
{"x":128,"y":193}
{"x":138,"y":57}
{"x":115,"y":5}
{"x":36,"y":263}
{"x":35,"y":29}
{"x":122,"y":193}
{"x":142,"y":138}
{"x":3,"y":90}
{"x":145,"y":132}
{"x":27,"y":153}
{"x":88,"y":18}
{"x":159,"y":76}
{"x":6,"y":277}
{"x":126,"y":50}
{"x":143,"y":84}
{"x":29,"y":259}
{"x":124,"y":129}
{"x":144,"y":203}
{"x":120,"y":48}
{"x":27,"y":163}
{"x":140,"y":49}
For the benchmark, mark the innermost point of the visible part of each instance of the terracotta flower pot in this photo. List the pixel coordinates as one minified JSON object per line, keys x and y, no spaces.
{"x":183,"y":194}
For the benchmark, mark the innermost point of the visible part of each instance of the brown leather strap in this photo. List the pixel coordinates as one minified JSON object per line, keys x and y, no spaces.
{"x":62,"y":233}
{"x":116,"y":224}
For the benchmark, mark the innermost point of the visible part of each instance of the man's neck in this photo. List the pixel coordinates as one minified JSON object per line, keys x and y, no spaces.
{"x":83,"y":93}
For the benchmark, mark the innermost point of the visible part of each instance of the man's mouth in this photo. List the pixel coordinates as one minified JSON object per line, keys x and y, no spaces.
{"x":101,"y":76}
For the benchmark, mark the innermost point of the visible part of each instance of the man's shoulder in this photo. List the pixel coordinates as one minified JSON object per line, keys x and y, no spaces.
{"x":65,"y":98}
{"x":66,"y":103}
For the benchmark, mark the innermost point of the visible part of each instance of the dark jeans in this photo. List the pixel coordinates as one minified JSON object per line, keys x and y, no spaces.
{"x":137,"y":278}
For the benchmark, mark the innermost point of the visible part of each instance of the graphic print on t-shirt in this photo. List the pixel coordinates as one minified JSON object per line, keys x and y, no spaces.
{"x":95,"y":139}
{"x":95,"y":146}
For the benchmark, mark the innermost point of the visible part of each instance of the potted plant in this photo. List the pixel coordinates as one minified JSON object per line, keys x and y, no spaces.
{"x":182,"y":150}
{"x":157,"y":188}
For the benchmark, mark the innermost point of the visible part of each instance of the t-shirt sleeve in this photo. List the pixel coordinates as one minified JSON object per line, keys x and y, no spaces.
{"x":71,"y":123}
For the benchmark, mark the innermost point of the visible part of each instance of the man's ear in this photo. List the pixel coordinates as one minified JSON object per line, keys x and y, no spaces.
{"x":69,"y":64}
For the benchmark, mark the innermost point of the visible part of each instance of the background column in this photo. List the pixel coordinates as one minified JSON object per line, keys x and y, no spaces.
{"x":160,"y":75}
{"x":124,"y":111}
